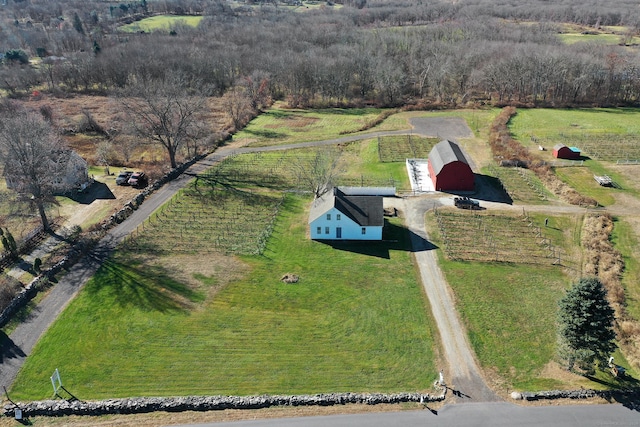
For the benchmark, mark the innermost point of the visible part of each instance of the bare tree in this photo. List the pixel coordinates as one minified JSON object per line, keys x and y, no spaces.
{"x":164,"y":112}
{"x":104,"y":155}
{"x":319,"y":173}
{"x":237,"y":105}
{"x":29,"y":148}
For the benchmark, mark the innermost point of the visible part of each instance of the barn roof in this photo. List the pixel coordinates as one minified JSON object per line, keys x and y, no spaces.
{"x":363,"y":210}
{"x":443,"y":153}
{"x":559,"y":146}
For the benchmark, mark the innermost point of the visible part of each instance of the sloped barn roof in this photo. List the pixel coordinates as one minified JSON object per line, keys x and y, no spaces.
{"x":443,"y":153}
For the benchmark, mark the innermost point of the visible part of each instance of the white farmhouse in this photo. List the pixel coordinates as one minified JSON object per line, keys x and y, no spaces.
{"x":67,"y":171}
{"x":349,"y":213}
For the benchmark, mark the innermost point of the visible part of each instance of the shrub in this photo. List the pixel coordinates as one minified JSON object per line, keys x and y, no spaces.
{"x":18,"y":55}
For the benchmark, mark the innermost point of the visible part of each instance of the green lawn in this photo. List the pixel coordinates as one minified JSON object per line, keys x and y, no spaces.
{"x":356,"y":321}
{"x":287,"y":126}
{"x":627,"y":243}
{"x":609,"y":130}
{"x":509,"y":310}
{"x":548,"y":125}
{"x":161,"y":22}
{"x":358,"y":164}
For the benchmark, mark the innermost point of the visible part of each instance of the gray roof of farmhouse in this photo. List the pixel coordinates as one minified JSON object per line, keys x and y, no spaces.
{"x":363,"y":210}
{"x":445,"y":152}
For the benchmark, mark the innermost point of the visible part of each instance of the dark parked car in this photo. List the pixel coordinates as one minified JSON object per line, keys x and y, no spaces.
{"x":123,"y":177}
{"x":138,"y":180}
{"x":466,"y":203}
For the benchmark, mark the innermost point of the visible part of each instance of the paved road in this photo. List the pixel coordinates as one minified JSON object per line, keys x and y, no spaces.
{"x":462,"y":374}
{"x":15,"y":348}
{"x":472,"y":414}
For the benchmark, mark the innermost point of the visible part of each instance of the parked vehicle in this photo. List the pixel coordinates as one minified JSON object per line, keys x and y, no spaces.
{"x":138,"y":180}
{"x":466,"y":203}
{"x":123,"y":177}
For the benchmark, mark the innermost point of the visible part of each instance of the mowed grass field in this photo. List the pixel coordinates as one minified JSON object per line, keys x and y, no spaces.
{"x":604,"y":135}
{"x":356,"y":321}
{"x":279,"y":125}
{"x":358,"y":164}
{"x":161,"y":22}
{"x":510,"y":309}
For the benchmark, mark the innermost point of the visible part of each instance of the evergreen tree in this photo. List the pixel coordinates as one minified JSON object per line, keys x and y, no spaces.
{"x":77,"y":23}
{"x":586,"y":325}
{"x":9,"y":243}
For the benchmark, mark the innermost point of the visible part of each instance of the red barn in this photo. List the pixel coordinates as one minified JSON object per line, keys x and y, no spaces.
{"x":561,"y":151}
{"x":449,"y":169}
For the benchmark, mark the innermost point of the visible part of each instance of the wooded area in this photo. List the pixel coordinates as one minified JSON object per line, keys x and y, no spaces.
{"x":361,"y":52}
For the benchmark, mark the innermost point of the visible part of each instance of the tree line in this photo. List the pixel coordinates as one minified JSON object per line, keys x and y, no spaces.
{"x":375,"y":52}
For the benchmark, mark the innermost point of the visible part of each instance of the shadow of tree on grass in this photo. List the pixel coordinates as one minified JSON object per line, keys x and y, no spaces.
{"x":146,"y":287}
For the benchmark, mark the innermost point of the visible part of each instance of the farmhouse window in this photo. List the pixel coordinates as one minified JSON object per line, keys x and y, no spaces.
{"x":328,"y":217}
{"x":319,"y":230}
{"x":326,"y":230}
{"x":364,"y":230}
{"x":338,"y":217}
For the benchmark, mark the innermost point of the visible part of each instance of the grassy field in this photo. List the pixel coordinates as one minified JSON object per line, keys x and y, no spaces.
{"x":605,"y":34}
{"x":358,"y":164}
{"x":356,"y":321}
{"x":287,"y":126}
{"x":551,"y":125}
{"x":626,"y":241}
{"x":509,"y":310}
{"x":606,"y":135}
{"x":161,"y":22}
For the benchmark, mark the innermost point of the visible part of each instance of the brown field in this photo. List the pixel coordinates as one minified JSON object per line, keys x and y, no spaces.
{"x":107,"y":112}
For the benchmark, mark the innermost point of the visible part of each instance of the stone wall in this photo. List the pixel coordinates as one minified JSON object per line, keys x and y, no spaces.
{"x":53,"y":408}
{"x":32,"y":289}
{"x":618,"y":395}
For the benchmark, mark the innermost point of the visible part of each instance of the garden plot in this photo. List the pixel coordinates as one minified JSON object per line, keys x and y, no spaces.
{"x":401,"y":147}
{"x":200,"y":220}
{"x":521,"y":184}
{"x":479,"y":236}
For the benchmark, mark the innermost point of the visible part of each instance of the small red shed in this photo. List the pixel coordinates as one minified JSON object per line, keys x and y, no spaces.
{"x":449,"y":169}
{"x":561,"y":151}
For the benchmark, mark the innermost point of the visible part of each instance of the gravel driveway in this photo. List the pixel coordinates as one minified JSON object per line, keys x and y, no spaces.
{"x":462,"y":375}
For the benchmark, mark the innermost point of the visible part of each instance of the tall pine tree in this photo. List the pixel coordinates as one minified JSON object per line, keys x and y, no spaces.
{"x":586,"y":325}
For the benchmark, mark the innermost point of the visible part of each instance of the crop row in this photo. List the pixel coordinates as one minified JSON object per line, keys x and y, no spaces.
{"x":521,"y":184}
{"x":224,"y":220}
{"x":401,"y":147}
{"x":502,"y":238}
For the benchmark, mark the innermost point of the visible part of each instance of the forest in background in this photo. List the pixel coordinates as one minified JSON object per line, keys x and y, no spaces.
{"x":344,"y":53}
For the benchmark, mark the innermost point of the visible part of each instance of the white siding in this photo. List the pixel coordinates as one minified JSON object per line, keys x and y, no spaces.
{"x":349,"y":229}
